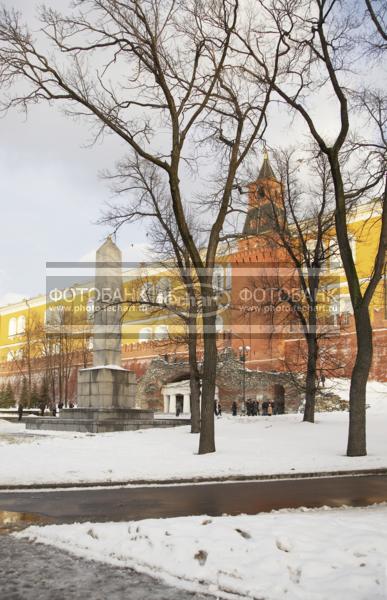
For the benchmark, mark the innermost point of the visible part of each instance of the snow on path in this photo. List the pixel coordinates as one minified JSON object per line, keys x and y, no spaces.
{"x":295,"y":554}
{"x":11,"y":427}
{"x":245,"y":446}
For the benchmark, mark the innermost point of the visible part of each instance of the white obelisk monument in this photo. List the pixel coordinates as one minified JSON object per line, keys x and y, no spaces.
{"x":107,"y":385}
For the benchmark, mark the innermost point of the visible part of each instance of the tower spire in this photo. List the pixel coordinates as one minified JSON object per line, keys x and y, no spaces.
{"x":266,"y":170}
{"x":264,"y":192}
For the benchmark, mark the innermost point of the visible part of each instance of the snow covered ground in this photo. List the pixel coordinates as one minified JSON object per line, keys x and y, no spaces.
{"x":245,"y":446}
{"x":295,"y":554}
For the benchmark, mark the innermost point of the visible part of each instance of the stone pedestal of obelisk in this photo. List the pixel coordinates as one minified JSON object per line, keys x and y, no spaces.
{"x":106,"y":391}
{"x":106,"y":385}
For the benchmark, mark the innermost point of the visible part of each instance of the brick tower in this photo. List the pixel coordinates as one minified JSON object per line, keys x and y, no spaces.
{"x":264,"y":194}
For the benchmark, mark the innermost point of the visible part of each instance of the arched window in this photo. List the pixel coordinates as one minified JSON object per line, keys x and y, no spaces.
{"x":161,"y":332}
{"x":12,"y":326}
{"x":146,"y":295}
{"x":54,"y":315}
{"x":163,"y":291}
{"x":334,"y":309}
{"x":228,"y":276}
{"x":145,"y":334}
{"x":90,"y":308}
{"x":334,"y":253}
{"x":218,"y":278}
{"x":352,"y":243}
{"x":21,"y":324}
{"x":345,"y":304}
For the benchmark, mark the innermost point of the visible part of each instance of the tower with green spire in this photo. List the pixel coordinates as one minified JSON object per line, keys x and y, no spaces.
{"x":265,"y":200}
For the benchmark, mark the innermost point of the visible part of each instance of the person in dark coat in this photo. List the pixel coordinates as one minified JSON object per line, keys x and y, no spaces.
{"x":265,"y":406}
{"x":42,"y":407}
{"x":20,"y":410}
{"x":234,"y":409}
{"x":54,"y":410}
{"x":219,"y":409}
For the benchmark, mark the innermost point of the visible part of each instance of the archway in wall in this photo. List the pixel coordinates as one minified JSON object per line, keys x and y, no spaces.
{"x":279,"y":399}
{"x":184,"y":376}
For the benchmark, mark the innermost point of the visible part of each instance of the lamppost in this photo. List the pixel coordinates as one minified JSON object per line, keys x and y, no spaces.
{"x":243,"y":351}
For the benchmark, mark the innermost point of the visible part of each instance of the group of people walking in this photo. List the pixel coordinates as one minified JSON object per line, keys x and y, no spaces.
{"x":253,"y":408}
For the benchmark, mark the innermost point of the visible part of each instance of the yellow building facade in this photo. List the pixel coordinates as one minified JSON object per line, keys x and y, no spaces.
{"x":22,"y":323}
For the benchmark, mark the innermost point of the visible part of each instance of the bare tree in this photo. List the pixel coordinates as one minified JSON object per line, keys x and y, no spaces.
{"x":377,"y":11}
{"x":148,"y":199}
{"x":133,"y":67}
{"x":64,"y":337}
{"x":318,"y":56}
{"x":24,"y":357}
{"x":301,"y":223}
{"x":294,"y":218}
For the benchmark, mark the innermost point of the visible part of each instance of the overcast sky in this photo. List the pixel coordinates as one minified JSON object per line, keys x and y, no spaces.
{"x":51,"y":193}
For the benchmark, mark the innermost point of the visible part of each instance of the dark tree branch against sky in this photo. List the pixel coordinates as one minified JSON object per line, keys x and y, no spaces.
{"x":322,"y":51}
{"x":47,"y":177}
{"x":155,"y":66}
{"x":191,"y":87}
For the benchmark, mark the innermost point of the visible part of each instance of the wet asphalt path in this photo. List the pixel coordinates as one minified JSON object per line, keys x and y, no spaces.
{"x":30,"y":571}
{"x":36,"y":572}
{"x":117,"y":504}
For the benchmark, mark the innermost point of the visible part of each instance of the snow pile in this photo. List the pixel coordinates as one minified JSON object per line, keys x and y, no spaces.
{"x":248,"y":446}
{"x":303,"y":554}
{"x":10,"y":427}
{"x":376,"y":393}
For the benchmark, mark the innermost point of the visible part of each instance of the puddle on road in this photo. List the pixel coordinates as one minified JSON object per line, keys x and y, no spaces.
{"x":15,"y":521}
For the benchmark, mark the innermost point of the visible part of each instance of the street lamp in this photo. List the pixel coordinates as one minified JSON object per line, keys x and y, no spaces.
{"x":243,"y":351}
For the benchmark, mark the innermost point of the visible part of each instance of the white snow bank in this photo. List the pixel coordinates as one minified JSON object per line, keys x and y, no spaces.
{"x":11,"y":427}
{"x":300,"y":555}
{"x":376,"y":392}
{"x":245,"y":446}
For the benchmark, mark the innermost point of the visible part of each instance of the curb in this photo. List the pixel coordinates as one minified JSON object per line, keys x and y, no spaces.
{"x":195,"y":480}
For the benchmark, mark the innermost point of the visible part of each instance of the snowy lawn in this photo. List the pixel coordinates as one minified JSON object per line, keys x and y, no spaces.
{"x":245,"y":446}
{"x":299,"y":554}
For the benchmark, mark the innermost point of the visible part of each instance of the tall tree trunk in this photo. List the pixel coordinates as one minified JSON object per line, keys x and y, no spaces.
{"x":194,"y":376}
{"x":53,"y":385}
{"x":357,"y":394}
{"x":207,"y":433}
{"x":29,"y":377}
{"x":311,"y":375}
{"x":66,"y":390}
